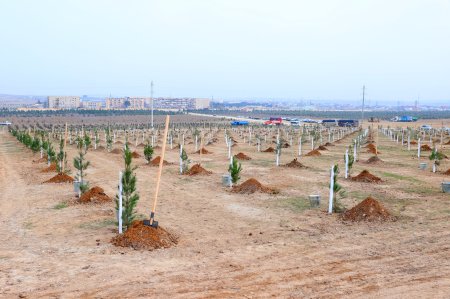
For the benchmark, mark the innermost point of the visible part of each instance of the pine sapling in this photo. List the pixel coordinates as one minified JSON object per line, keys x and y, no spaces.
{"x":80,"y":163}
{"x":235,"y":169}
{"x":148,"y":152}
{"x":129,"y":195}
{"x":338,"y":192}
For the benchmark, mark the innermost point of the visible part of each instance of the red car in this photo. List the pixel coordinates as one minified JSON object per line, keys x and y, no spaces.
{"x":274,"y":121}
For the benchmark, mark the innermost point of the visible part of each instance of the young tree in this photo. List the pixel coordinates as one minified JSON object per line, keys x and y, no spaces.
{"x":97,"y":139}
{"x":61,"y":158}
{"x":86,"y":142}
{"x":337,"y":191}
{"x":109,"y":140}
{"x":129,"y":195}
{"x":80,"y":163}
{"x":148,"y":152}
{"x":436,"y":157}
{"x":235,"y":169}
{"x":185,"y":161}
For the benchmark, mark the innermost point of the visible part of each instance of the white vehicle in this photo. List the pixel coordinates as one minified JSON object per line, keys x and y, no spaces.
{"x":5,"y":123}
{"x":426,"y":127}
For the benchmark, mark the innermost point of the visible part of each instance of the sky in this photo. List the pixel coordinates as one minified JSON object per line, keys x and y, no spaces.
{"x":228,"y":49}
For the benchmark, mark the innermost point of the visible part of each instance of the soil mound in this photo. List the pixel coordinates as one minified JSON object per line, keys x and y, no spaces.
{"x":251,"y":186}
{"x":118,"y":142}
{"x":156,"y":161}
{"x":242,"y":156}
{"x":447,"y":172}
{"x":141,"y":145}
{"x":313,"y":153}
{"x":447,"y":143}
{"x":135,"y":155}
{"x":372,"y":149}
{"x":425,"y":148}
{"x":100,"y":147}
{"x":367,"y":210}
{"x":95,"y":194}
{"x":285,"y":145}
{"x":413,"y":142}
{"x":204,"y":151}
{"x":366,"y":177}
{"x":51,"y":168}
{"x":140,"y":236}
{"x":269,"y":150}
{"x":197,"y":169}
{"x":374,"y":160}
{"x":295,"y":164}
{"x":322,"y":148}
{"x":328,"y":144}
{"x":60,"y":178}
{"x":116,"y":151}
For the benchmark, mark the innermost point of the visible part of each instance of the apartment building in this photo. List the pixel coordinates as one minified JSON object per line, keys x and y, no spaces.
{"x":181,"y":103}
{"x":63,"y":102}
{"x":125,"y":103}
{"x":91,"y":105}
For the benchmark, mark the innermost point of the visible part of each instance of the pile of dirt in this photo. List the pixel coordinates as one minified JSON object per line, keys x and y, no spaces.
{"x":269,"y":150}
{"x":143,"y":237}
{"x":251,"y":186}
{"x":367,"y":210}
{"x":118,"y":142}
{"x":156,"y":161}
{"x":366,"y":177}
{"x":116,"y":151}
{"x":447,"y":172}
{"x":425,"y":148}
{"x":328,"y":144}
{"x":242,"y":156}
{"x":95,"y":194}
{"x":141,"y":145}
{"x":372,"y":149}
{"x":322,"y":148}
{"x":100,"y":147}
{"x":60,"y":178}
{"x":197,"y":169}
{"x":41,"y":160}
{"x":204,"y":151}
{"x":413,"y":142}
{"x":374,"y":160}
{"x":295,"y":164}
{"x":135,"y":155}
{"x":285,"y":145}
{"x":51,"y":168}
{"x":313,"y":153}
{"x":447,"y":143}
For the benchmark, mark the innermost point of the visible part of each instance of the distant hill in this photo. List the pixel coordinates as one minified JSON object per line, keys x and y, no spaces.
{"x":23,"y":99}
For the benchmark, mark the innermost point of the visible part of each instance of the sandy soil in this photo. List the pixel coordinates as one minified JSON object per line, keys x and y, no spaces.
{"x":231,"y":245}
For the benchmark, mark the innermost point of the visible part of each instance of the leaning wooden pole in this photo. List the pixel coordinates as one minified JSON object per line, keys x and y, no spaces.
{"x":158,"y":179}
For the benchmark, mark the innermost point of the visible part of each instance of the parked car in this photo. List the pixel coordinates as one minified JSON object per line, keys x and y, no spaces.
{"x":426,"y":127}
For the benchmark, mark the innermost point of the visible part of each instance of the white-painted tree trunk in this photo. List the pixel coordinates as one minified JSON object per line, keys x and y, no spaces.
{"x":120,"y":203}
{"x":330,"y":202}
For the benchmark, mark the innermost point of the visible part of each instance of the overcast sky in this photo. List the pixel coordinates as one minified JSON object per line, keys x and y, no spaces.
{"x":321,"y":49}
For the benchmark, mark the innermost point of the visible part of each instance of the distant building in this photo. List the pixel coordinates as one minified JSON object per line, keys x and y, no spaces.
{"x":91,"y":105}
{"x":125,"y":103}
{"x":181,"y":103}
{"x":63,"y":102}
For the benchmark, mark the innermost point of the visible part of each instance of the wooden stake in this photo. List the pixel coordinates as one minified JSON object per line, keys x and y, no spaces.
{"x":64,"y":149}
{"x":161,"y":162}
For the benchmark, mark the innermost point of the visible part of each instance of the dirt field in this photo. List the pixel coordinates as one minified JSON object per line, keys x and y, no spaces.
{"x":231,"y":245}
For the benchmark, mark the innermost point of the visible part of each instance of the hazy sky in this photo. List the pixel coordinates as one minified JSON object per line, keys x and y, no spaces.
{"x":321,"y":49}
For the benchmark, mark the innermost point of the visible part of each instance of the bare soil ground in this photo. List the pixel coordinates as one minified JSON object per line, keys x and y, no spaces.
{"x":230,"y":245}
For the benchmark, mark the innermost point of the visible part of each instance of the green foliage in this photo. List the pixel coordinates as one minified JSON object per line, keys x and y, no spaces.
{"x":235,"y":169}
{"x":129,"y":195}
{"x":436,"y":156}
{"x":337,"y":190}
{"x":109,"y":139}
{"x":35,"y":144}
{"x":185,"y":161}
{"x":80,"y":163}
{"x":148,"y":152}
{"x":86,"y":142}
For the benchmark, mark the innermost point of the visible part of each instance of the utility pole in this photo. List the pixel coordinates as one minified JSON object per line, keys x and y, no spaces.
{"x":362,"y":108}
{"x":151,"y":99}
